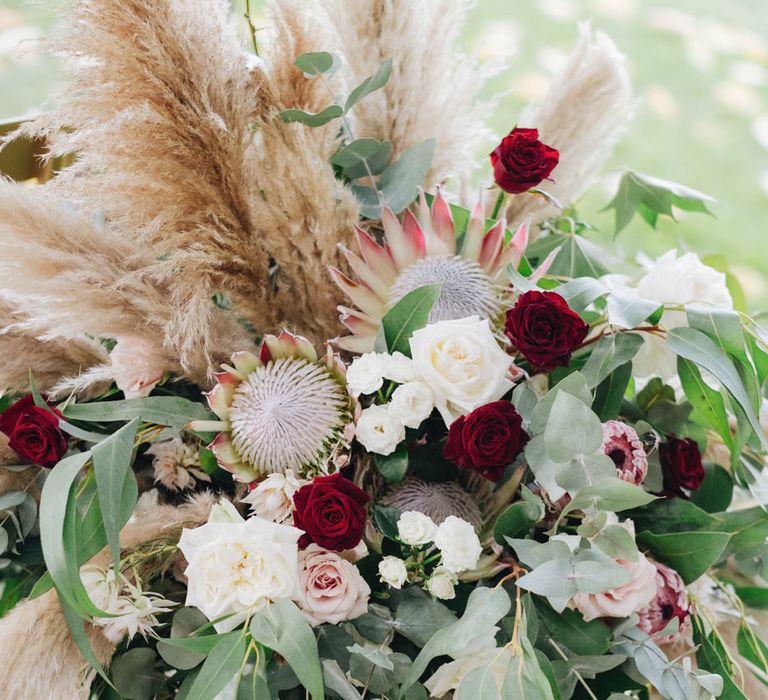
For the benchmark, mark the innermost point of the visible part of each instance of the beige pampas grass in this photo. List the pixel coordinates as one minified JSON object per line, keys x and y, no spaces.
{"x":46,"y":662}
{"x":434,"y":88}
{"x":584,"y":112}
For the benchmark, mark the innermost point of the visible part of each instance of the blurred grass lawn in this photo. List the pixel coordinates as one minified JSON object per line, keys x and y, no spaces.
{"x":700,"y":68}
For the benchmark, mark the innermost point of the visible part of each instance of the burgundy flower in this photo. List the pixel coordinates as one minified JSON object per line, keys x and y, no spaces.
{"x":544,"y":329}
{"x":33,"y":432}
{"x":521,"y":161}
{"x":487,"y":440}
{"x":671,"y":601}
{"x":681,"y":466}
{"x":331,"y":511}
{"x":622,"y":444}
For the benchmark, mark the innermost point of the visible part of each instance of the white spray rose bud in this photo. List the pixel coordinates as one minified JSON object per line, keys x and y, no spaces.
{"x":379,"y":431}
{"x":441,"y":584}
{"x":392,"y":571}
{"x":412,"y":403}
{"x":415,"y":528}
{"x":459,"y":544}
{"x":399,"y":368}
{"x":366,"y":374}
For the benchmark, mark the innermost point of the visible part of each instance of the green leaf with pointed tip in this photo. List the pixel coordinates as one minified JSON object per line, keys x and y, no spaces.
{"x":716,"y":491}
{"x":628,"y":310}
{"x":172,"y":411}
{"x":610,"y":352}
{"x":393,"y":466}
{"x":363,"y":157}
{"x":315,"y":63}
{"x":409,"y":314}
{"x":289,"y":116}
{"x":569,"y":628}
{"x":399,"y":183}
{"x":707,"y":401}
{"x":610,"y":393}
{"x":688,"y":553}
{"x":220,"y":667}
{"x":372,"y":83}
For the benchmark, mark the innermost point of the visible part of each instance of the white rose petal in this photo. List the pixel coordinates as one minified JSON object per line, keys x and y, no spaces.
{"x":411,"y":403}
{"x":379,"y":431}
{"x":459,"y":544}
{"x":441,"y":584}
{"x":392,"y":571}
{"x":399,"y":368}
{"x":366,"y":374}
{"x":236,"y":566}
{"x":415,"y":528}
{"x":463,"y":364}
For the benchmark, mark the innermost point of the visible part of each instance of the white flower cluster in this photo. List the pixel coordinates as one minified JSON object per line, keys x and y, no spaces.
{"x":456,"y":367}
{"x":135,"y":611}
{"x":456,"y":541}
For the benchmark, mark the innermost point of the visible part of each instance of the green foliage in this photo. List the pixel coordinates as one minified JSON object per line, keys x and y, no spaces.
{"x":134,"y":674}
{"x":519,"y":518}
{"x":409,"y":314}
{"x":372,"y":83}
{"x":610,"y":392}
{"x":393,"y":467}
{"x":610,"y":353}
{"x":716,"y":491}
{"x":172,"y":411}
{"x":570,"y":629}
{"x":688,"y":553}
{"x":186,"y":621}
{"x":362,"y":157}
{"x":220,"y":667}
{"x":314,"y":64}
{"x":651,"y":197}
{"x":578,"y":256}
{"x":290,"y":116}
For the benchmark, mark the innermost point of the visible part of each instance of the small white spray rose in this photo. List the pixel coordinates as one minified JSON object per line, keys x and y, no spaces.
{"x":272,"y":498}
{"x":136,"y":367}
{"x":411,"y":403}
{"x":379,"y":431}
{"x":442,"y":584}
{"x":366,"y":374}
{"x":399,"y":368}
{"x":459,"y":544}
{"x":415,"y":528}
{"x":236,"y":566}
{"x":392,"y":571}
{"x":463,"y":364}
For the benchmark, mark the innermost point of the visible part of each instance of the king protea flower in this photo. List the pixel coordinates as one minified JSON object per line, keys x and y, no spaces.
{"x":415,"y":254}
{"x":283,"y":409}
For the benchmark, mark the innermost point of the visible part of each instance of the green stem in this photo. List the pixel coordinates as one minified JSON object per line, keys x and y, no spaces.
{"x":499,"y":202}
{"x":251,"y":26}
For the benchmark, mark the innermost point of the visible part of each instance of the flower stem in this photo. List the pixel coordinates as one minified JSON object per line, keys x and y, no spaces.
{"x":499,"y":203}
{"x":251,"y":26}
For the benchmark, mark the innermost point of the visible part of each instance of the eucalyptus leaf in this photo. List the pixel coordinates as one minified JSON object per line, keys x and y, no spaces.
{"x":407,"y":316}
{"x":627,"y":310}
{"x":707,"y":401}
{"x":573,"y":430}
{"x":134,"y":674}
{"x":363,"y":157}
{"x":161,"y":410}
{"x":220,"y":667}
{"x":688,"y":553}
{"x":610,"y":393}
{"x":372,"y":83}
{"x":290,"y":116}
{"x":399,"y":183}
{"x":608,"y":354}
{"x":418,"y":617}
{"x":716,"y":491}
{"x":569,"y":628}
{"x":393,"y":467}
{"x":574,"y":384}
{"x":316,"y":63}
{"x":581,"y":292}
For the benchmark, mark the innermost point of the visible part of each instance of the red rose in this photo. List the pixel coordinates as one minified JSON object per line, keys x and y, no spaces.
{"x":521,"y":161}
{"x":33,"y":432}
{"x":331,"y":511}
{"x":681,"y":466}
{"x":544,"y":329}
{"x":487,"y":440}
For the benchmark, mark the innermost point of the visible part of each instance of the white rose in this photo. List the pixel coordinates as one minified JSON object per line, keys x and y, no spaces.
{"x":136,"y":367}
{"x":462,"y":363}
{"x":331,"y":589}
{"x":379,"y":431}
{"x":623,"y":600}
{"x":411,"y":403}
{"x":272,"y":499}
{"x":393,"y":572}
{"x":399,"y":368}
{"x":415,"y":528}
{"x":366,"y":374}
{"x":441,"y":584}
{"x":459,"y":544}
{"x":236,"y":566}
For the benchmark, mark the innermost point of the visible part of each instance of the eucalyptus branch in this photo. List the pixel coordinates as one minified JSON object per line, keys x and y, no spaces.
{"x":564,"y":656}
{"x":251,"y":26}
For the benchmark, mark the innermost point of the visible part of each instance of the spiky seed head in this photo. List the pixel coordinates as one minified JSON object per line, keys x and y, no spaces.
{"x":438,"y":500}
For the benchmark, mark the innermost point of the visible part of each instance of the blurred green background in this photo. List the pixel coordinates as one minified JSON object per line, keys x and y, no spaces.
{"x":699,"y":67}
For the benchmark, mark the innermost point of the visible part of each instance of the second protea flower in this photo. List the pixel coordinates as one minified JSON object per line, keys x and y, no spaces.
{"x":283,"y":409}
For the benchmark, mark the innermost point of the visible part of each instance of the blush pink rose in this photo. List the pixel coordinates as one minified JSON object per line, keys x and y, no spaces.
{"x":136,"y":367}
{"x":623,"y":600}
{"x":331,"y":589}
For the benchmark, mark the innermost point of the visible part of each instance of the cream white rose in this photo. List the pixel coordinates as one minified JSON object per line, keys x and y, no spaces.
{"x":392,"y":571}
{"x":399,"y":368}
{"x":411,"y":403}
{"x":442,"y":584}
{"x":415,"y":528}
{"x":366,"y":374}
{"x":331,"y":589}
{"x":623,"y":600}
{"x":272,"y":498}
{"x":462,"y":363}
{"x":136,"y":367}
{"x":236,"y":566}
{"x":459,"y":544}
{"x":379,"y":431}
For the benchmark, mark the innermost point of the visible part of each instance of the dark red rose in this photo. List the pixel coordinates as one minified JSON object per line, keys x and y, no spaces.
{"x":33,"y":432}
{"x":487,"y":440}
{"x":681,"y":466}
{"x":331,"y":511}
{"x":521,"y":161}
{"x":544,"y":329}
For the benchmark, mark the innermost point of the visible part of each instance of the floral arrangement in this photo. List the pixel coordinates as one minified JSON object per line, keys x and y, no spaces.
{"x":518,"y":475}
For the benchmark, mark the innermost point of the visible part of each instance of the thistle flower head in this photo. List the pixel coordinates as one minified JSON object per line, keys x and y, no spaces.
{"x":285,"y":409}
{"x":416,"y":253}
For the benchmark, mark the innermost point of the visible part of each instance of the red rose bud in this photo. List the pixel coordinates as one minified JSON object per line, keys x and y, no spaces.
{"x":521,"y":161}
{"x":681,"y":466}
{"x":486,"y":440}
{"x":544,"y":329}
{"x":331,"y":511}
{"x":33,"y":432}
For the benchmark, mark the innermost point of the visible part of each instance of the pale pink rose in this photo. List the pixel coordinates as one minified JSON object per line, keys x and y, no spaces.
{"x":622,"y":444}
{"x":671,"y":600}
{"x":331,"y":589}
{"x":623,"y":600}
{"x":137,"y":367}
